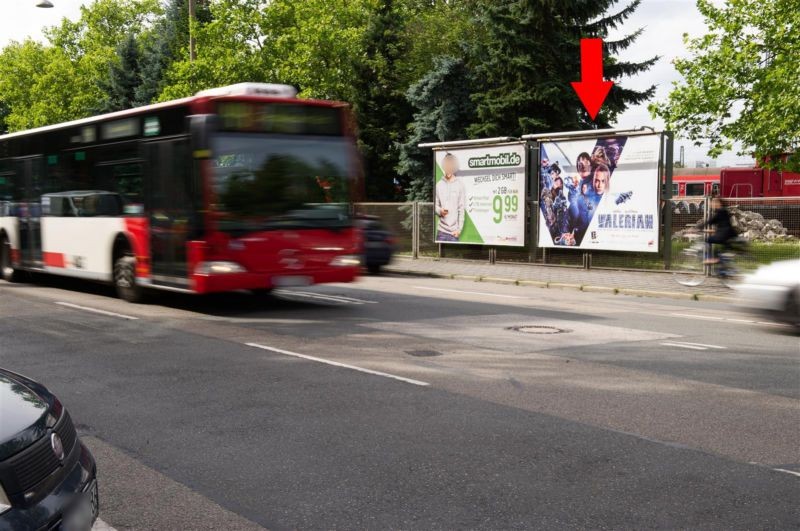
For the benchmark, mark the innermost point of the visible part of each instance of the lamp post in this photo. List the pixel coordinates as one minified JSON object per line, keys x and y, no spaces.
{"x":44,"y":3}
{"x":192,"y":53}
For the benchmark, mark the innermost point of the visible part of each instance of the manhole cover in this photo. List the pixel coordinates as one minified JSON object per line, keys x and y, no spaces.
{"x":539,"y":329}
{"x":423,"y":353}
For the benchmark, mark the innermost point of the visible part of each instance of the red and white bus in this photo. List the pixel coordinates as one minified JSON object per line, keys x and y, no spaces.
{"x":241,"y":187}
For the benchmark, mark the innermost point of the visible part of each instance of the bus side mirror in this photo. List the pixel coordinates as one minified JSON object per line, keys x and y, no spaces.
{"x":201,"y":127}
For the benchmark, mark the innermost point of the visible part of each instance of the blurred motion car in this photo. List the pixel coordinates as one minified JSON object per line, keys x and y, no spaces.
{"x":773,"y":290}
{"x":379,"y":243}
{"x":48,"y":478}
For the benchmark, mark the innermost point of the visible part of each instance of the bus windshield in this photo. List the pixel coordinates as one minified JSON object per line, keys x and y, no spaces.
{"x":272,"y":182}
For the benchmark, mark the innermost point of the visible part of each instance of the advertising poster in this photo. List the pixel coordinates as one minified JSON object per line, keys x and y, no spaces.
{"x":479,"y":196}
{"x":600,"y":194}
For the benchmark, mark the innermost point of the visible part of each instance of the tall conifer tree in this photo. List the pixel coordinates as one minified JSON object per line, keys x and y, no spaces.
{"x":123,"y":78}
{"x":529,"y":55}
{"x":442,"y":111}
{"x":380,"y":104}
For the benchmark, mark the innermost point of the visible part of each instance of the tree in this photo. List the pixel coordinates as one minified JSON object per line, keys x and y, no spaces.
{"x":63,"y":79}
{"x":4,"y":110}
{"x":36,"y":83}
{"x":379,"y":101}
{"x":309,"y":44}
{"x":433,"y":29}
{"x":741,"y":82}
{"x":124,"y":78}
{"x":530,"y":53}
{"x":442,"y":111}
{"x":168,"y":43}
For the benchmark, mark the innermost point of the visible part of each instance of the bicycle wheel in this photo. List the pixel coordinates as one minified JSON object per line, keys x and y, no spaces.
{"x":736,"y":266}
{"x":689,"y":270}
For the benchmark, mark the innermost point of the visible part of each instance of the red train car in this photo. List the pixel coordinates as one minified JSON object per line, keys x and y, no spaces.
{"x":695,"y":182}
{"x":734,"y":182}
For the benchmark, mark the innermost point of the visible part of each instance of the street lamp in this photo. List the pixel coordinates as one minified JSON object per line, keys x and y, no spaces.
{"x":44,"y":3}
{"x":192,"y":52}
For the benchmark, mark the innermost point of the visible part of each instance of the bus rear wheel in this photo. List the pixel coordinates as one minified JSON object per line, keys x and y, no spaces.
{"x":7,"y":271}
{"x":125,"y":279}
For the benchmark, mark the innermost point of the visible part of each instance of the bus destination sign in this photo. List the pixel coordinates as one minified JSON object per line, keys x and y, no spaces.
{"x":280,"y":118}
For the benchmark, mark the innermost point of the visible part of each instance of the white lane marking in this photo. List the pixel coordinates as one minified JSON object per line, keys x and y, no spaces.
{"x":728,"y":319}
{"x":314,"y":296}
{"x":701,"y":345}
{"x":683,"y":346}
{"x":690,"y":316}
{"x":341,"y":297}
{"x":327,"y":298}
{"x":792,"y":472}
{"x":470,"y":292}
{"x":96,"y":310}
{"x":100,"y":525}
{"x":337,"y":364}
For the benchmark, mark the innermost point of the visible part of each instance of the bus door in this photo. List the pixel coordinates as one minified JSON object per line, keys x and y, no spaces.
{"x":170,"y":209}
{"x":30,"y":170}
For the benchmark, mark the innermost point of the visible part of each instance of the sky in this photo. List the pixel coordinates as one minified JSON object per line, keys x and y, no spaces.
{"x":664,"y":22}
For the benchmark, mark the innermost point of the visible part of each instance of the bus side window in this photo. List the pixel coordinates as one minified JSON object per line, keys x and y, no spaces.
{"x":675,"y":189}
{"x":120,"y":171}
{"x":9,"y":191}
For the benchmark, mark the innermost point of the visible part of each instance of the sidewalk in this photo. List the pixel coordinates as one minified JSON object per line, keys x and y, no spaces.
{"x":641,"y":283}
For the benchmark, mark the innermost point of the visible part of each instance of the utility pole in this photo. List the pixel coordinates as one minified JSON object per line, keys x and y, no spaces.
{"x":192,"y":20}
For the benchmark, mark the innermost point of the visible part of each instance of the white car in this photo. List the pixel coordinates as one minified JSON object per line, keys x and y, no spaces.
{"x":774,"y":289}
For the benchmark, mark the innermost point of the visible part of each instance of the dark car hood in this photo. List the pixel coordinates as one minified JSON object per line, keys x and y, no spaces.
{"x":25,"y":413}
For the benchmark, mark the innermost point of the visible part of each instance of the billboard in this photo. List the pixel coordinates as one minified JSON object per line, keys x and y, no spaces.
{"x":479,"y":195}
{"x":600,"y":194}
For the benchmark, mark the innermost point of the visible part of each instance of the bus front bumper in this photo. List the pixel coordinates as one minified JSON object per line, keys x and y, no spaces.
{"x":215,"y":283}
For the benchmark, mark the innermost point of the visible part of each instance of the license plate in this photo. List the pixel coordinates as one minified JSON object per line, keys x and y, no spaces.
{"x":291,"y":281}
{"x":83,"y":514}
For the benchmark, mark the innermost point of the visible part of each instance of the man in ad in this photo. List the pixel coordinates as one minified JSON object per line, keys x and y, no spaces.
{"x":450,"y":202}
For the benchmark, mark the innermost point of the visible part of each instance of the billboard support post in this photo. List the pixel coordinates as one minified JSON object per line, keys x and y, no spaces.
{"x":668,"y":162}
{"x":415,"y":230}
{"x":533,"y":198}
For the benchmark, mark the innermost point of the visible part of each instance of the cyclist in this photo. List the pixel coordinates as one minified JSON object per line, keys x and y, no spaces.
{"x":723,"y":234}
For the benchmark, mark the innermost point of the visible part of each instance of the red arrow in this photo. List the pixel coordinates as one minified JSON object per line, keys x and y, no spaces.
{"x":591,"y":89}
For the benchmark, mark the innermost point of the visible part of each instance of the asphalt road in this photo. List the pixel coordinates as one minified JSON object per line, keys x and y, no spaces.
{"x":419,"y":404}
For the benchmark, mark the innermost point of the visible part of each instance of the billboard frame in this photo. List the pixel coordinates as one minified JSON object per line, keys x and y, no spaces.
{"x":532,"y":183}
{"x":664,"y":170}
{"x":490,"y":143}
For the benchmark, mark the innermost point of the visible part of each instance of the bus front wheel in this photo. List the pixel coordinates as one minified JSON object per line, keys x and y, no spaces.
{"x":125,"y":279}
{"x":7,"y":271}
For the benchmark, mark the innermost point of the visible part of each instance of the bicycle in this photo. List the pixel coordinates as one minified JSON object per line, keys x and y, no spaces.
{"x":691,"y":269}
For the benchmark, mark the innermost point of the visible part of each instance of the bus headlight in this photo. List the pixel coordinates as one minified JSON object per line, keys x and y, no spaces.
{"x":218,"y":268}
{"x":346,"y":260}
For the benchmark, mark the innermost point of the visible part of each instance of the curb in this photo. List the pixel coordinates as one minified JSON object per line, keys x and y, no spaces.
{"x":533,"y":283}
{"x":661,"y":294}
{"x":498,"y":280}
{"x":565,"y":285}
{"x":472,"y":278}
{"x":714,"y":298}
{"x":600,"y":289}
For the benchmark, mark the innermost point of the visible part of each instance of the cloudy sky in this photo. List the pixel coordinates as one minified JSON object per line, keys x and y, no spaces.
{"x":664,"y":21}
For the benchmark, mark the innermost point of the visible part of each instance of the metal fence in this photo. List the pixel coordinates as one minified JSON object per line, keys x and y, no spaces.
{"x":770,"y":225}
